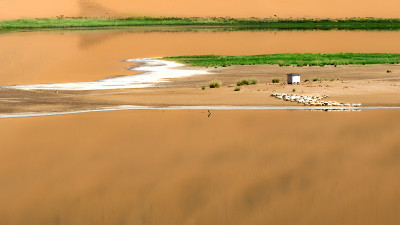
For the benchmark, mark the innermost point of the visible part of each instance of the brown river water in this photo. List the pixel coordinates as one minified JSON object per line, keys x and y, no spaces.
{"x":181,"y":167}
{"x":82,"y":55}
{"x":259,"y":8}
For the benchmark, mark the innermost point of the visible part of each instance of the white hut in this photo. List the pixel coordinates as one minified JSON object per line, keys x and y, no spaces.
{"x":293,"y":78}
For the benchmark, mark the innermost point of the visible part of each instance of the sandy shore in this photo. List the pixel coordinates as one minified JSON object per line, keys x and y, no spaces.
{"x":370,"y":85}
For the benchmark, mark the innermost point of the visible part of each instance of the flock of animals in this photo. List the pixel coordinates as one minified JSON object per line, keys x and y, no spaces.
{"x":311,"y":100}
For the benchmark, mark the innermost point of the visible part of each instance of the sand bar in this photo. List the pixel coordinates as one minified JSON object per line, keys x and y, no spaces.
{"x":370,"y":85}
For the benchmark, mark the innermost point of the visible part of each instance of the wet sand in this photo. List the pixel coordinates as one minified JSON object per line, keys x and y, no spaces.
{"x":369,"y":85}
{"x":181,"y":167}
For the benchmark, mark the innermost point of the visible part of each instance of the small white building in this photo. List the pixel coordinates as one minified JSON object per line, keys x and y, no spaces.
{"x":293,"y":78}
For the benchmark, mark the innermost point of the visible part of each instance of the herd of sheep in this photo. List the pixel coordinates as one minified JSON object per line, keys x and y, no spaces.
{"x":311,"y":100}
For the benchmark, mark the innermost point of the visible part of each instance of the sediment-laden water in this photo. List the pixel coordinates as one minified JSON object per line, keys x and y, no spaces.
{"x":41,"y":57}
{"x":183,"y":167}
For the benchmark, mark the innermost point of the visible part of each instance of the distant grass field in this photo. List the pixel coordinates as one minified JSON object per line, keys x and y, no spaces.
{"x":273,"y":23}
{"x":289,"y":59}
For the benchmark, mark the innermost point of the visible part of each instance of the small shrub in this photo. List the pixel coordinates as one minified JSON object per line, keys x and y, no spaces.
{"x":203,"y":87}
{"x":388,"y":71}
{"x":325,"y":79}
{"x":275,"y":80}
{"x":250,"y":81}
{"x":333,"y":79}
{"x":315,"y":79}
{"x":242,"y":82}
{"x":215,"y":84}
{"x":237,"y":88}
{"x":253,"y":81}
{"x":294,"y":90}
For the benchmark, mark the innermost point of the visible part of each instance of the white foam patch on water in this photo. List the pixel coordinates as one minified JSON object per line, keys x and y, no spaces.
{"x":154,"y":71}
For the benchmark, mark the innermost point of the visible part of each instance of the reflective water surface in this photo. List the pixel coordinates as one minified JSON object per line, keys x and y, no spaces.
{"x":205,"y":8}
{"x":181,"y":167}
{"x":82,"y":55}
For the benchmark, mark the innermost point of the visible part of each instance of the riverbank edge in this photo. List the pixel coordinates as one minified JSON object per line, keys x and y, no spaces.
{"x":209,"y":109}
{"x":273,"y":23}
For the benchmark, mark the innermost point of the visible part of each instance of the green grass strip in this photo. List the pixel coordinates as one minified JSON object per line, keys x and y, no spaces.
{"x":273,"y":23}
{"x":288,"y":59}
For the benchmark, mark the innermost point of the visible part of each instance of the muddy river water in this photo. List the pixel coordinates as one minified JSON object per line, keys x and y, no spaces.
{"x":71,"y":56}
{"x":183,"y":167}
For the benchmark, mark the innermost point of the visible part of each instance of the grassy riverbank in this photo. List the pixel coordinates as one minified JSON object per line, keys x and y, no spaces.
{"x":273,"y":23}
{"x":288,"y":59}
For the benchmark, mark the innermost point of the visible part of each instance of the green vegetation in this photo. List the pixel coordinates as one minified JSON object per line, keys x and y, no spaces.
{"x":315,"y":79}
{"x":203,"y":87}
{"x":215,"y":84}
{"x":250,"y":81}
{"x":237,"y":88}
{"x":294,"y":90}
{"x":271,"y":23}
{"x":287,"y":59}
{"x":388,"y":71}
{"x":242,"y":82}
{"x":275,"y":80}
{"x":253,"y":81}
{"x":333,"y":79}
